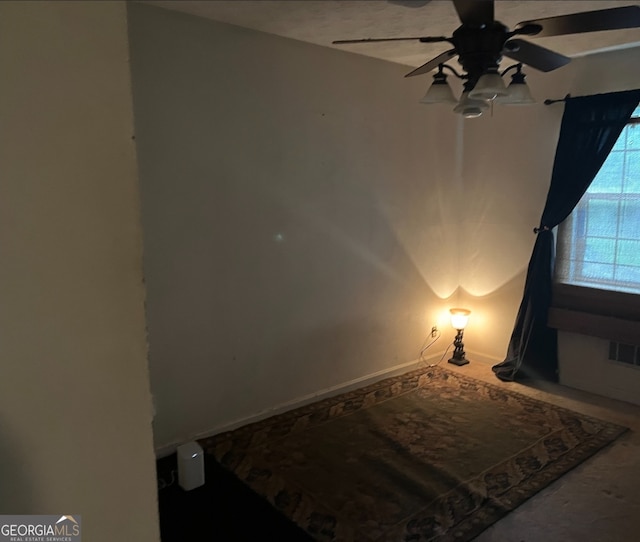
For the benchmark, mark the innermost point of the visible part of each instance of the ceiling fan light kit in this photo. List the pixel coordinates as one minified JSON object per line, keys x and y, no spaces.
{"x":469,"y":107}
{"x":489,"y":86}
{"x":518,"y":92}
{"x":481,"y":42}
{"x":439,"y":91}
{"x":477,"y":98}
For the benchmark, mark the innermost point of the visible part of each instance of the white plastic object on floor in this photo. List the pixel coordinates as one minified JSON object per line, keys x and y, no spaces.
{"x":190,"y":466}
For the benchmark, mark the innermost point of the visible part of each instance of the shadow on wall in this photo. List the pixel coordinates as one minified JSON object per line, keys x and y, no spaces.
{"x":16,"y":485}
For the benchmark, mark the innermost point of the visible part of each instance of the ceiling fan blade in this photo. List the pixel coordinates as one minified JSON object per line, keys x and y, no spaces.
{"x":424,"y":39}
{"x":433,"y":63}
{"x":535,"y":56}
{"x":410,"y":3}
{"x":587,"y":21}
{"x":474,"y":12}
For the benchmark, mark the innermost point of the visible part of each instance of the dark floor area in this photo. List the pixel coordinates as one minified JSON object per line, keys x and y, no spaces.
{"x":223,"y":510}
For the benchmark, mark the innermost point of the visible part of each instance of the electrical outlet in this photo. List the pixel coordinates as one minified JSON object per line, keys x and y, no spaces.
{"x":434,"y":331}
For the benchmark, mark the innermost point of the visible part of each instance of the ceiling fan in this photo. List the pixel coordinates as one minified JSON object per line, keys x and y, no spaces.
{"x":481,"y":42}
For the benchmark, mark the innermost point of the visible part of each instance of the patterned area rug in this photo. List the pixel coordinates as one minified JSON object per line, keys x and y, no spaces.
{"x":430,"y":455}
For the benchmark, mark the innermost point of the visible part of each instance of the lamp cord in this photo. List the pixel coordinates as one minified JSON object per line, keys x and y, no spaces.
{"x":443,"y":356}
{"x":426,"y":347}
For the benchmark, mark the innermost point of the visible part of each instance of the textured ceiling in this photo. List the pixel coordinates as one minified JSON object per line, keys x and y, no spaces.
{"x":322,"y":21}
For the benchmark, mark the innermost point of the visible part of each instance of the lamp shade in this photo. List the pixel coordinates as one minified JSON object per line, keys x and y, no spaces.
{"x":489,"y":86}
{"x":518,"y":92}
{"x":470,"y":108}
{"x":459,"y":318}
{"x":439,"y":91}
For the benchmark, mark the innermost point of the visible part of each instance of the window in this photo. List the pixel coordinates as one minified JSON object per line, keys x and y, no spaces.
{"x":599,"y":244}
{"x":597,"y":289}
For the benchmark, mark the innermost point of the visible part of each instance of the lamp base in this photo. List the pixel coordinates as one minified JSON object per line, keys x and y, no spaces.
{"x":459,"y":361}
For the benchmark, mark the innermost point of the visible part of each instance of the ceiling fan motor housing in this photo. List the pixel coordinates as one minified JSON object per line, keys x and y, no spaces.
{"x":480,"y":48}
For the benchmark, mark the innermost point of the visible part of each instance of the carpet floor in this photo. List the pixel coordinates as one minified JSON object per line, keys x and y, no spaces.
{"x":431,"y":455}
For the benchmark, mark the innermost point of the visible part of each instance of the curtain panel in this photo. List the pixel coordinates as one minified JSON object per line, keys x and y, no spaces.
{"x":590,"y":127}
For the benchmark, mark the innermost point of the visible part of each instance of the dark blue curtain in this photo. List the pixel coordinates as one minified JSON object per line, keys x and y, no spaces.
{"x":590,"y":127}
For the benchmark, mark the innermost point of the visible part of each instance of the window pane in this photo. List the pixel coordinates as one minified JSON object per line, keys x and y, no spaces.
{"x":633,"y":136}
{"x":630,"y":219}
{"x":597,"y":272}
{"x":599,"y":217}
{"x":632,"y":172}
{"x":609,"y":178}
{"x":599,"y":250}
{"x":629,"y":253}
{"x":626,"y":275}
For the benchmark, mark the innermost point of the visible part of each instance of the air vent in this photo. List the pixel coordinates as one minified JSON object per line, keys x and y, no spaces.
{"x":628,"y":354}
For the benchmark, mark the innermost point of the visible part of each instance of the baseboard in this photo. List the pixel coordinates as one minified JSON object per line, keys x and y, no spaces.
{"x":350,"y":385}
{"x":483,"y":358}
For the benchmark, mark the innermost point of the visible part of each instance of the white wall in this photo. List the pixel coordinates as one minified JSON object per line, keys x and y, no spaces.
{"x":243,"y":137}
{"x":584,"y":364}
{"x":75,"y":410}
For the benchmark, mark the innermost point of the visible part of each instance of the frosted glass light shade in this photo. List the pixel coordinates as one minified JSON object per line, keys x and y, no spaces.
{"x":518,"y":92}
{"x":470,"y":108}
{"x":439,"y":92}
{"x":459,"y":318}
{"x":488,"y":87}
{"x":518,"y":95}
